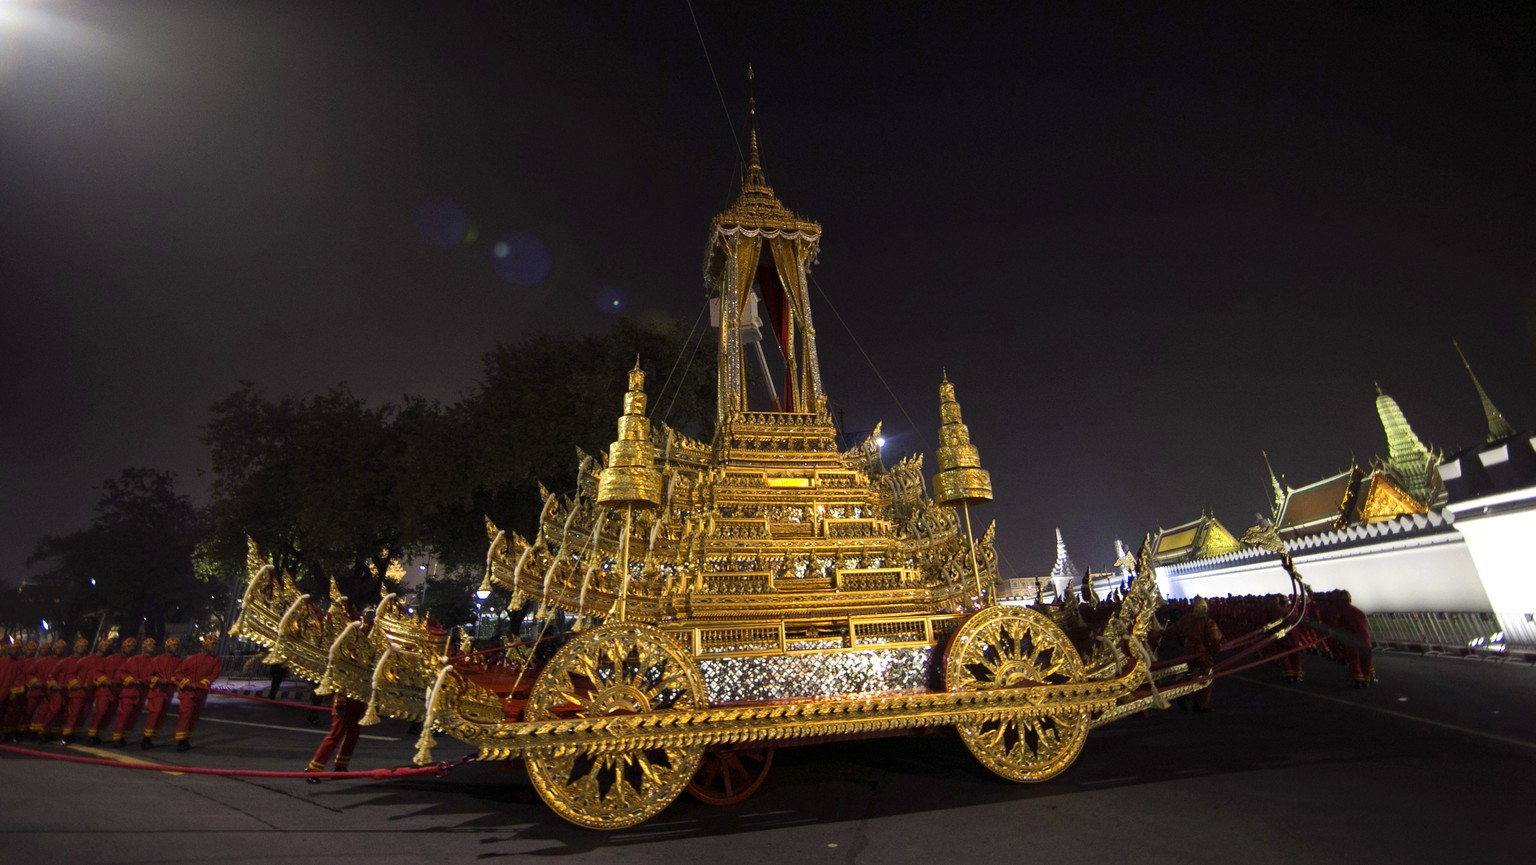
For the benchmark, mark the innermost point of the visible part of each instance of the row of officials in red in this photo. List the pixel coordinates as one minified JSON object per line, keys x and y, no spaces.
{"x":48,"y":693}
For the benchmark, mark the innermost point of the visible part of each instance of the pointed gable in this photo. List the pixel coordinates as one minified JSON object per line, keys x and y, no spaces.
{"x":1381,"y":499}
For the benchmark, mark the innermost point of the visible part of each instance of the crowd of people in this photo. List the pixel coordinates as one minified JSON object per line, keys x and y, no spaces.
{"x":1334,"y":628}
{"x":58,"y":693}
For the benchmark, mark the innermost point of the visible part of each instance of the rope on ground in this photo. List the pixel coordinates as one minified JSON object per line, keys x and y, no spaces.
{"x":436,"y":770}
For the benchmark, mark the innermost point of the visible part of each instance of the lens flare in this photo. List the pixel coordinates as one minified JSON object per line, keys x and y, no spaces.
{"x":609,"y":300}
{"x":520,"y":258}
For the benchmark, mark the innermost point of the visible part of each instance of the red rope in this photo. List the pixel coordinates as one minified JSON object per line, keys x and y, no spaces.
{"x":438,"y":770}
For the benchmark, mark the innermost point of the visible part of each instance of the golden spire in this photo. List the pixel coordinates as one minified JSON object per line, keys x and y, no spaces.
{"x":756,"y":180}
{"x":1498,"y":427}
{"x":631,"y":478}
{"x":1275,"y":488}
{"x":961,"y":479}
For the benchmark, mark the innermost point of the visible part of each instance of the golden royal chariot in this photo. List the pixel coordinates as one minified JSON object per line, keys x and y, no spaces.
{"x":760,"y":590}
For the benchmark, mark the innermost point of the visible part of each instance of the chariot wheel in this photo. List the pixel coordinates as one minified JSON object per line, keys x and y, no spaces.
{"x":620,"y":668}
{"x":729,"y":775}
{"x":1006,"y":647}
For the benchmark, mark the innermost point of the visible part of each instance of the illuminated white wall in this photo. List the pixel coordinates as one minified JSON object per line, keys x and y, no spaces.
{"x":1418,"y":575}
{"x":1501,"y":544}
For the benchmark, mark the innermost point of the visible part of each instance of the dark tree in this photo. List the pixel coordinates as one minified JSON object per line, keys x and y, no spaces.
{"x":537,"y":401}
{"x":313,"y":482}
{"x":134,"y":563}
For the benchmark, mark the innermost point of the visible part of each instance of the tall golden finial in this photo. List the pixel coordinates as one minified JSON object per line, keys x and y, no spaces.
{"x":630,"y":480}
{"x":1498,"y":427}
{"x":961,"y":479}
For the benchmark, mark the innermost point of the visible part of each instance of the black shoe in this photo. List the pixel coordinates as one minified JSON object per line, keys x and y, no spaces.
{"x":312,"y":780}
{"x":94,"y":740}
{"x":183,"y":745}
{"x":119,"y":743}
{"x":147,"y":743}
{"x":1203,"y":709}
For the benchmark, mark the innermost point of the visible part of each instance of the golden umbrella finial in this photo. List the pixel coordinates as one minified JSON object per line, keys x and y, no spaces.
{"x":630,"y":480}
{"x":961,"y":479}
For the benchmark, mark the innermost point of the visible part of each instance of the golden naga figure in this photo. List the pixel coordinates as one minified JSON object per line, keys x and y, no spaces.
{"x":764,"y":588}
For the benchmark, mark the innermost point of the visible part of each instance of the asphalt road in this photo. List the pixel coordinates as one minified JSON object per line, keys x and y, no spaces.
{"x":1435,"y":764}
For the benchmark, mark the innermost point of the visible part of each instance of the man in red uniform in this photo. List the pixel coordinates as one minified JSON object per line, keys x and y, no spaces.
{"x":1202,"y":639}
{"x":10,"y":665}
{"x":83,"y":698}
{"x":16,"y":720}
{"x":160,"y":692}
{"x":50,"y":693}
{"x":64,"y":692}
{"x":346,"y":713}
{"x":1355,"y":640}
{"x":108,"y":683}
{"x":194,"y":676}
{"x":132,"y":679}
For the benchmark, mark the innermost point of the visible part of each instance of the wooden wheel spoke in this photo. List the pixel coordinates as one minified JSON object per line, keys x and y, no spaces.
{"x":618,"y":668}
{"x":1010,"y":647}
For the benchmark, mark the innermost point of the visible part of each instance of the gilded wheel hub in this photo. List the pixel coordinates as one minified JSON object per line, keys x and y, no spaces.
{"x":620,"y":668}
{"x":1008,"y":647}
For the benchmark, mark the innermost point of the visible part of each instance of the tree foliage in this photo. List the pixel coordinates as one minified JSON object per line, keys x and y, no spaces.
{"x":537,"y":401}
{"x":133,"y":564}
{"x":312,"y":481}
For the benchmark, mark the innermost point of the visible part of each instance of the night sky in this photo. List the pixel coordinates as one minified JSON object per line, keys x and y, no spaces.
{"x":1146,"y":244}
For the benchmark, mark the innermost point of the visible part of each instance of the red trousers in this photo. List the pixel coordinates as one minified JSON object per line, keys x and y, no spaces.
{"x":36,"y":699}
{"x":14,"y":720}
{"x":192,"y":700}
{"x":130,"y":701}
{"x":49,"y":719}
{"x":102,"y":708}
{"x":342,"y":739}
{"x":75,"y":711}
{"x":156,"y":704}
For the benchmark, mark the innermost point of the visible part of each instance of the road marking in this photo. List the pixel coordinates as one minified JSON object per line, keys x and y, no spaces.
{"x":121,"y":758}
{"x":1291,"y":689}
{"x":317,"y":730}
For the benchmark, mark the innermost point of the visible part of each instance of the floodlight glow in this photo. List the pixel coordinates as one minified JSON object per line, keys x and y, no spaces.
{"x":880,"y":442}
{"x":482,"y":593}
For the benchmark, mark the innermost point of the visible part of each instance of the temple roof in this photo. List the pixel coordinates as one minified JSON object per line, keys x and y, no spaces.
{"x":1198,"y":539}
{"x":1320,"y":505}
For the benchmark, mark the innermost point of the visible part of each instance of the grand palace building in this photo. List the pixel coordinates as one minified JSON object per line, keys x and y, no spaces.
{"x":1435,"y":549}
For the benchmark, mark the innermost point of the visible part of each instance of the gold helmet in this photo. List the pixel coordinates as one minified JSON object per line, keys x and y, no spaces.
{"x":1201,"y":607}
